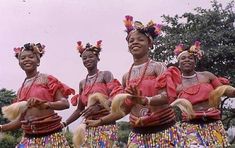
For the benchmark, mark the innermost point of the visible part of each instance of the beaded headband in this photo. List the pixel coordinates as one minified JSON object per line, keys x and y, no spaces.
{"x":94,"y":49}
{"x":194,"y":50}
{"x":151,"y":30}
{"x":38,"y":49}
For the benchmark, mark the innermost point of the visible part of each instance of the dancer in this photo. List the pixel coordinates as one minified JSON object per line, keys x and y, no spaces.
{"x":95,"y":92}
{"x":151,"y":117}
{"x":203,"y":90}
{"x":37,"y":99}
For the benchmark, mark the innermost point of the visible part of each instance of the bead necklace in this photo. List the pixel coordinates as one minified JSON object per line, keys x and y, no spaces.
{"x":96,"y":76}
{"x":190,"y":77}
{"x":142,"y":76}
{"x":26,"y":95}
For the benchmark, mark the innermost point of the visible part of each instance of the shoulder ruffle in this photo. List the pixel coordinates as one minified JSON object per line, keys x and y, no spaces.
{"x":169,"y":80}
{"x":54,"y":85}
{"x":115,"y":87}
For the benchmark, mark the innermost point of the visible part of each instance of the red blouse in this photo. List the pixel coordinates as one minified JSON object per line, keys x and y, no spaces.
{"x":44,"y":87}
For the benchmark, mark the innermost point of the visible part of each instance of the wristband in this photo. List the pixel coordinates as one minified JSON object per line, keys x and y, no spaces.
{"x":0,"y":128}
{"x":64,"y":124}
{"x":148,"y":100}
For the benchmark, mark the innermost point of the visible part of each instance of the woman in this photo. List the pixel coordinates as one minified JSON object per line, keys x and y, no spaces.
{"x":98,"y":85}
{"x":151,"y":117}
{"x":41,"y":95}
{"x":206,"y":128}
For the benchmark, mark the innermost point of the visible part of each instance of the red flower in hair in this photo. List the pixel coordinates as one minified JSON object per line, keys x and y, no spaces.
{"x":178,"y":49}
{"x":98,"y":44}
{"x":80,"y":47}
{"x":128,"y":22}
{"x":158,"y":28}
{"x":17,"y":50}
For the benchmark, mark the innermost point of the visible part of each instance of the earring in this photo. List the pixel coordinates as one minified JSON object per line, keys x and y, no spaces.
{"x":38,"y":64}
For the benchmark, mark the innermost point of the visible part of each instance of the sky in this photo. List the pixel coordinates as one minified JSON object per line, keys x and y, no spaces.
{"x":59,"y":24}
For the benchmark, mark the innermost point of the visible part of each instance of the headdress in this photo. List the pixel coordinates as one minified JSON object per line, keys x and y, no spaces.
{"x":95,"y":49}
{"x":194,"y":49}
{"x":38,"y":49}
{"x":151,"y":30}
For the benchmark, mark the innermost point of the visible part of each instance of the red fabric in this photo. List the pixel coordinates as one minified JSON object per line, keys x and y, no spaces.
{"x":212,"y":114}
{"x":223,"y":80}
{"x":74,"y":100}
{"x":44,"y":88}
{"x":110,"y":89}
{"x":155,"y":118}
{"x":169,"y":80}
{"x":197,"y":93}
{"x":55,"y":85}
{"x":115,"y":88}
{"x":146,"y":86}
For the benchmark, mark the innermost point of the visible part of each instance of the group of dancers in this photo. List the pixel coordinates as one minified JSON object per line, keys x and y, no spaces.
{"x":167,"y":106}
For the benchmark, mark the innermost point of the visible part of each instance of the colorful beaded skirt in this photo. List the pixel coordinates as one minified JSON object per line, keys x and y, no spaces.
{"x":101,"y":137}
{"x":55,"y":140}
{"x":205,"y":134}
{"x":168,"y":138}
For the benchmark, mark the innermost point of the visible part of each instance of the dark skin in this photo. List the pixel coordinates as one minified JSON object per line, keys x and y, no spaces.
{"x":28,"y":61}
{"x":90,"y":61}
{"x":138,"y":45}
{"x":187,"y":64}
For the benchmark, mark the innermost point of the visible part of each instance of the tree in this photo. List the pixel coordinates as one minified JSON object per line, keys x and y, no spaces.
{"x":214,"y":28}
{"x":123,"y":131}
{"x":10,"y":139}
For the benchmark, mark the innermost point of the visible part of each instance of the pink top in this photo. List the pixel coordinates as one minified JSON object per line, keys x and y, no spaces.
{"x":195,"y":94}
{"x":44,"y":87}
{"x":97,"y":85}
{"x":146,"y":83}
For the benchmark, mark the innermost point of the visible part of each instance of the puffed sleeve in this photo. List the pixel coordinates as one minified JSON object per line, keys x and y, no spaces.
{"x":54,"y":85}
{"x":115,"y":88}
{"x":74,"y":99}
{"x":169,"y":80}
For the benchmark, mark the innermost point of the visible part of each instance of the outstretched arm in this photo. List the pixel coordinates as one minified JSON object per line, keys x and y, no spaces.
{"x":76,"y":114}
{"x":13,"y":125}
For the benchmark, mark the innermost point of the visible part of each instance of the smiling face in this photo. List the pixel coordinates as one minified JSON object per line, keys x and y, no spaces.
{"x":89,"y":59}
{"x":187,"y":62}
{"x":28,"y":61}
{"x":138,"y":44}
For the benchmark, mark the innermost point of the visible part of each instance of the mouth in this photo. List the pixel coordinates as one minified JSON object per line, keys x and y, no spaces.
{"x":135,"y":47}
{"x":88,"y":64}
{"x":28,"y":64}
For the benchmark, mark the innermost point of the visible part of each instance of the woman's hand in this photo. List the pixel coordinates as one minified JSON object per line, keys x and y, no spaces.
{"x":36,"y":102}
{"x":136,"y":97}
{"x":91,"y":123}
{"x":91,"y":110}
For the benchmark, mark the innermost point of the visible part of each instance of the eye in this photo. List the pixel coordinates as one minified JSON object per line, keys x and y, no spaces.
{"x":31,"y":56}
{"x":183,"y":57}
{"x":131,"y":41}
{"x":191,"y":57}
{"x":22,"y":57}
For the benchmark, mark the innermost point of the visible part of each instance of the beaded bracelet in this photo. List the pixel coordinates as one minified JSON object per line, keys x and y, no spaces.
{"x":101,"y":121}
{"x":148,"y":100}
{"x":64,"y":124}
{"x":0,"y":128}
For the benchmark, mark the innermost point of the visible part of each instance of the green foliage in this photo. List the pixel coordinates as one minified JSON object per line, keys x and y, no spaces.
{"x":212,"y":27}
{"x":6,"y":97}
{"x":10,"y":139}
{"x":69,"y":137}
{"x":123,"y":131}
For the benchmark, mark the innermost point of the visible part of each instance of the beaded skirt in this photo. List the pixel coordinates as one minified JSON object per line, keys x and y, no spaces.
{"x":168,"y":138}
{"x":104,"y":136}
{"x":55,"y":140}
{"x":205,"y":134}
